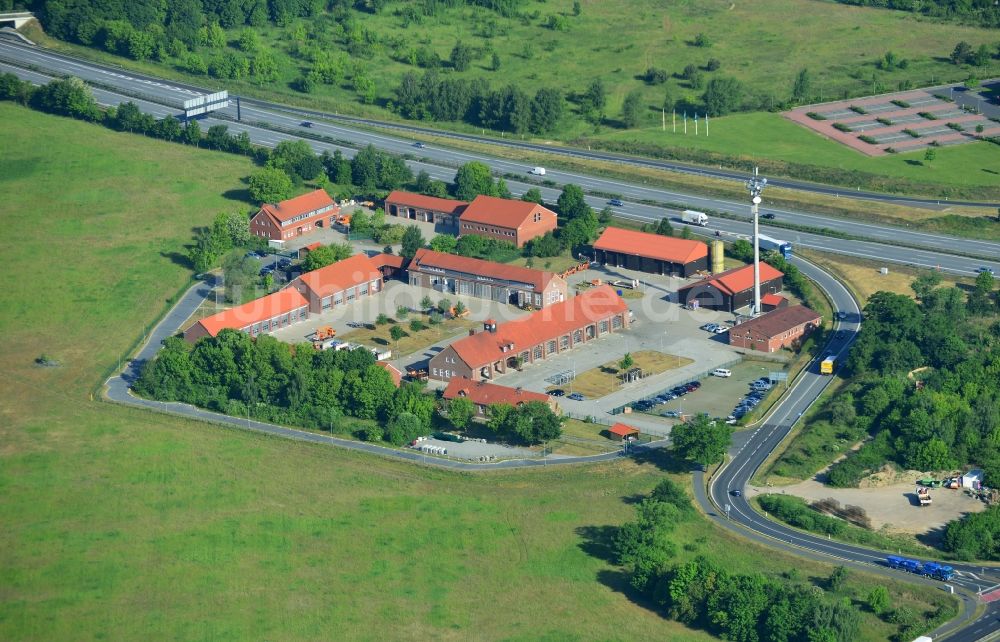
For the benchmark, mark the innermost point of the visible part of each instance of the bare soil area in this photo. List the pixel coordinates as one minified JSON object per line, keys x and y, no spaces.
{"x":893,"y":506}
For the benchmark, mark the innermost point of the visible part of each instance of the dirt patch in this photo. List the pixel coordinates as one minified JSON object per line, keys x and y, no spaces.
{"x":891,"y":502}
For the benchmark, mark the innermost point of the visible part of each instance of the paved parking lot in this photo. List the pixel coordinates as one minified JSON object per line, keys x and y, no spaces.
{"x":717,"y":396}
{"x":395,"y":294}
{"x":659,"y":325}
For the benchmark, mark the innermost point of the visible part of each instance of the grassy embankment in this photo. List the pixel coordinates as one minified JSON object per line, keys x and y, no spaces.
{"x":852,"y":38}
{"x":122,"y":524}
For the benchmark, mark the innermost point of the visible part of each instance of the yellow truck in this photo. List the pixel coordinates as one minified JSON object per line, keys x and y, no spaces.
{"x":826,"y":365}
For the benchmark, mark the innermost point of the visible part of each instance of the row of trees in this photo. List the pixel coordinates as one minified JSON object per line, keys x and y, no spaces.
{"x":443,"y":98}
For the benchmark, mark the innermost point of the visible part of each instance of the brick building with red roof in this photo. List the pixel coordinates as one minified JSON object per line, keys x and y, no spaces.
{"x":552,"y":330}
{"x":781,"y":328}
{"x":483,"y":394}
{"x":505,"y":219}
{"x":651,"y":253}
{"x":271,"y":312}
{"x":295,"y":217}
{"x":462,"y":275}
{"x":427,"y":209}
{"x":339,"y":283}
{"x":730,"y":290}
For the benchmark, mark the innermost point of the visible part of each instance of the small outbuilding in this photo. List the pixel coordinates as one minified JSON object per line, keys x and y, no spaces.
{"x":621,"y":432}
{"x":972,"y":479}
{"x":770,"y":302}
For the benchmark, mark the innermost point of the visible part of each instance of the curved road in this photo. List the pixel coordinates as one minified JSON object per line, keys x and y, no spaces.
{"x":728,"y":509}
{"x":760,"y":443}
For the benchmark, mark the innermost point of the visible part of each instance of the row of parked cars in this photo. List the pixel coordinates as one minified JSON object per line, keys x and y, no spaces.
{"x":758,"y":390}
{"x":575,"y":396}
{"x":643,"y":405}
{"x":716,"y":328}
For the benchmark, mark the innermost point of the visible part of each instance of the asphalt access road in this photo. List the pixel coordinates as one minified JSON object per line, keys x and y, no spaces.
{"x":175,"y":93}
{"x":747,"y":458}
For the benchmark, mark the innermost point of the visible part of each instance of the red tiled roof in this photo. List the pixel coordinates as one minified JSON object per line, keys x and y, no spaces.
{"x":341,"y":275}
{"x":622,"y":430}
{"x":299,"y":205}
{"x":483,"y":393}
{"x":772,"y":299}
{"x":394,"y":372}
{"x":312,"y":246}
{"x":545,"y":324}
{"x":653,"y":246}
{"x":778,"y":321}
{"x":538,"y":278}
{"x":266,"y":307}
{"x":391,"y":260}
{"x":409,"y":199}
{"x":501,"y":212}
{"x":738,"y":279}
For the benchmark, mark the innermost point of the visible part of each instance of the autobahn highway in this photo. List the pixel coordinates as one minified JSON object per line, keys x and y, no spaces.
{"x":440,"y":163}
{"x":170,"y":90}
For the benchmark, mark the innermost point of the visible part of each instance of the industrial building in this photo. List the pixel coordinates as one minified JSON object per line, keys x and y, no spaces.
{"x":427,"y":209}
{"x":339,"y":283}
{"x":781,"y":328}
{"x":507,"y":220}
{"x":539,"y":335}
{"x":295,"y":217}
{"x":651,"y":253}
{"x":731,"y":290}
{"x":260,"y":316}
{"x":461,"y":275}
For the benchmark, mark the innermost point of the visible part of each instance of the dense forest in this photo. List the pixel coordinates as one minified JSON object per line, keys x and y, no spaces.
{"x":980,"y":12}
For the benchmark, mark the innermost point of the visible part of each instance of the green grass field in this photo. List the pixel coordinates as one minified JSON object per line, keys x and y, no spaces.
{"x":767,"y":135}
{"x":125,"y":524}
{"x":764,"y":43}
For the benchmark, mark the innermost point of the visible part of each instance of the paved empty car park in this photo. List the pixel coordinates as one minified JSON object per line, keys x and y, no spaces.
{"x":903,"y":121}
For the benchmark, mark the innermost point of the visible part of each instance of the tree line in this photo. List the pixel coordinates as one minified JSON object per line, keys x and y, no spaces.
{"x":744,"y":607}
{"x":265,"y":379}
{"x":984,"y":14}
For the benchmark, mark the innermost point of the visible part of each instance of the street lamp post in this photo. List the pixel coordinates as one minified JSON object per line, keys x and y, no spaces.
{"x":756,"y":185}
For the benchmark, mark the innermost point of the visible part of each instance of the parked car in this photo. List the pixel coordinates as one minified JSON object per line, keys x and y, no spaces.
{"x":719,"y":329}
{"x":264,"y":271}
{"x":576,"y":396}
{"x":696,"y":384}
{"x":557,"y":393}
{"x":672,"y":413}
{"x":355,"y":324}
{"x":722,"y":372}
{"x":617,"y":202}
{"x":283,"y":263}
{"x":710,"y":327}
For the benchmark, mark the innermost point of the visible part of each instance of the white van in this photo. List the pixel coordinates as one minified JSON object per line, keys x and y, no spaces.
{"x":537,"y":171}
{"x":722,"y":372}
